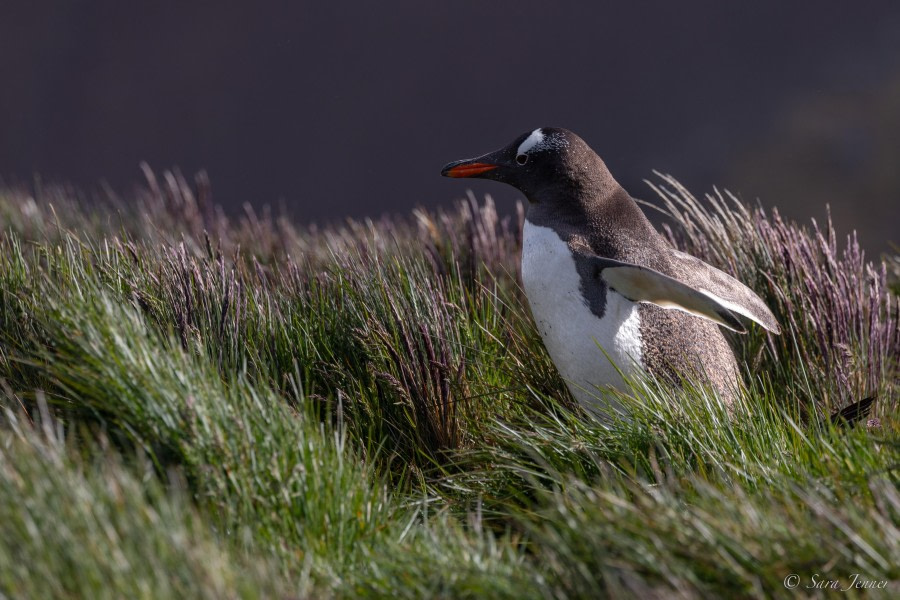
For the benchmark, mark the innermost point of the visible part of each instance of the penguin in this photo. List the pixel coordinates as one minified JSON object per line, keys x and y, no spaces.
{"x":609,"y":294}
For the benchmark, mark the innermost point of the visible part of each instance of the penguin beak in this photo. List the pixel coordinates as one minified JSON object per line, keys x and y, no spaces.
{"x":470,"y":167}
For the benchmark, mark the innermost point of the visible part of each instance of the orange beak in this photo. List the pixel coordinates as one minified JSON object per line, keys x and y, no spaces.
{"x":467,"y":169}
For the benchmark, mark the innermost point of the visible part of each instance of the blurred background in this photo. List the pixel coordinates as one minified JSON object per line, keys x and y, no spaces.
{"x":350,"y":109}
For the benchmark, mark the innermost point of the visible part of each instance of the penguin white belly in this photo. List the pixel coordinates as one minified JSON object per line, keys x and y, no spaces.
{"x":571,"y":332}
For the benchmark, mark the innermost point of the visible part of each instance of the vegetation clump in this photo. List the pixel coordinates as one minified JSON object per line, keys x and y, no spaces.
{"x":202,"y":405}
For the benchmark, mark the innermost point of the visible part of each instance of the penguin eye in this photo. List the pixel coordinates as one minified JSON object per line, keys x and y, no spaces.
{"x":521,"y":158}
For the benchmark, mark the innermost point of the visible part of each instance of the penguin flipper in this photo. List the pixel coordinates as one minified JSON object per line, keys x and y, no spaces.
{"x":729,"y":291}
{"x":642,"y":284}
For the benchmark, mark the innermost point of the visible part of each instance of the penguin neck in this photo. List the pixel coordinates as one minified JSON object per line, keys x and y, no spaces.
{"x":590,"y":203}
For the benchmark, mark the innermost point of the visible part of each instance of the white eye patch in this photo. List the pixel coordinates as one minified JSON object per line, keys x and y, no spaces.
{"x":538,"y":140}
{"x":532,"y":141}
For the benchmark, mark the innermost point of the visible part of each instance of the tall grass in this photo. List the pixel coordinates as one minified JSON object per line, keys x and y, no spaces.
{"x":843,"y":325}
{"x":367,"y":410}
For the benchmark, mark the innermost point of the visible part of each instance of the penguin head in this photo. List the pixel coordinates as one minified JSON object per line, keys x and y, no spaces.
{"x":536,"y":162}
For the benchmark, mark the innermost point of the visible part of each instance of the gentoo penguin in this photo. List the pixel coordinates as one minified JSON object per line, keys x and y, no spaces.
{"x":608,"y":293}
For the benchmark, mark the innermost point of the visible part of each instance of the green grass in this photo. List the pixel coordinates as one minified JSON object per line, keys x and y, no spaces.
{"x":198,"y":406}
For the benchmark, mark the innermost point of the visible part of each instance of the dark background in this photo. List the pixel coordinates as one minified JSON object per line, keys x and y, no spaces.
{"x":350,"y":108}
